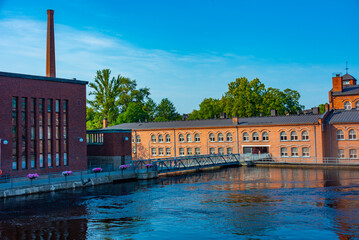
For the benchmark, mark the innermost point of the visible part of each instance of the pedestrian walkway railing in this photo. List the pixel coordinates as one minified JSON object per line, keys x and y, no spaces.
{"x":85,"y":177}
{"x":310,"y":160}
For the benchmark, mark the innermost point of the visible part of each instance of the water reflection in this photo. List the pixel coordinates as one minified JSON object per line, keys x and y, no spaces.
{"x":232,"y":203}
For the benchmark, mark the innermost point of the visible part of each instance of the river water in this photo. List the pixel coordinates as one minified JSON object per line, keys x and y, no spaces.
{"x":230,"y":203}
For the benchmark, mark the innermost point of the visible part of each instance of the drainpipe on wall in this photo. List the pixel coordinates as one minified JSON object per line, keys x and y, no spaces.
{"x":315,"y":143}
{"x":174,"y":142}
{"x":237,"y":141}
{"x":330,"y":140}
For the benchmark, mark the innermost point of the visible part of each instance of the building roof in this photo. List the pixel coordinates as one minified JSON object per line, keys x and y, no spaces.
{"x":343,"y":116}
{"x":347,"y":90}
{"x":348,"y":77}
{"x":51,"y":79}
{"x":249,"y":121}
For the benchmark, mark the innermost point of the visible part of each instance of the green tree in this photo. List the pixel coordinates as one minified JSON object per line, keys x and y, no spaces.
{"x":322,"y":107}
{"x":106,"y":92}
{"x":208,"y":108}
{"x":166,"y":111}
{"x":244,"y":98}
{"x":129,"y":93}
{"x":134,"y":113}
{"x":249,"y":98}
{"x":93,"y":119}
{"x":150,"y":108}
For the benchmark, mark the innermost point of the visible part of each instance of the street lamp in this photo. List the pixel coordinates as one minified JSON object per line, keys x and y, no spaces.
{"x":4,"y":141}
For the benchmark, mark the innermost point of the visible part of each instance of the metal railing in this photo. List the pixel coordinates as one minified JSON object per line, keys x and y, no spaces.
{"x":7,"y":182}
{"x":309,"y":160}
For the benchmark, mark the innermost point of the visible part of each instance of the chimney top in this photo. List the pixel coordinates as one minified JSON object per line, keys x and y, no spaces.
{"x":50,"y":45}
{"x":273,"y":112}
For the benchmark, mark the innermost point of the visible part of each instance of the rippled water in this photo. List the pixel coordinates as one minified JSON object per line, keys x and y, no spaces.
{"x":231,"y":203}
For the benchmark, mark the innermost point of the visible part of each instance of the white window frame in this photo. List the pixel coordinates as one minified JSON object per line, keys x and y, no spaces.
{"x":197,"y":138}
{"x":347,"y":105}
{"x":283,"y":136}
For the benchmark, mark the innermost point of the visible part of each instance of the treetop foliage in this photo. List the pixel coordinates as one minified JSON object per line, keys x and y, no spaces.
{"x":118,"y":100}
{"x":247,"y":99}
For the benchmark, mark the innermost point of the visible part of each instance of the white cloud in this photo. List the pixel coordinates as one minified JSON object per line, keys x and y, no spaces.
{"x":184,"y":78}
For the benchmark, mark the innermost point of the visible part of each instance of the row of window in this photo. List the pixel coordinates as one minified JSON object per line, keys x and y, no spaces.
{"x":352,"y":153}
{"x":181,"y":138}
{"x":283,"y":136}
{"x":29,"y":125}
{"x":189,"y":151}
{"x":94,"y":138}
{"x":294,"y":152}
{"x":255,"y":137}
{"x":348,"y":105}
{"x":352,"y":134}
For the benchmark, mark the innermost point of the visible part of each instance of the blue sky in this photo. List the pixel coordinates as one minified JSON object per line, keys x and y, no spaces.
{"x":188,"y":50}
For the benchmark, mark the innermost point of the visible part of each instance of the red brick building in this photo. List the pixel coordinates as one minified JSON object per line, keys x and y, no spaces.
{"x":43,"y":120}
{"x":108,"y":148}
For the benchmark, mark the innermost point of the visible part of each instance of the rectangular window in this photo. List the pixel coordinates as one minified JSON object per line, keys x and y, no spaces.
{"x":41,"y":160}
{"x":229,"y":150}
{"x":305,"y":152}
{"x":197,"y":151}
{"x":211,"y":151}
{"x":65,"y":160}
{"x":220,"y":151}
{"x":94,"y":138}
{"x":294,"y":152}
{"x":14,"y":133}
{"x":168,"y":151}
{"x":24,"y":133}
{"x":160,"y":151}
{"x":189,"y":151}
{"x":283,"y":152}
{"x":181,"y":151}
{"x":353,"y":153}
{"x":57,"y":105}
{"x":153,"y":151}
{"x":49,"y":162}
{"x":33,"y":163}
{"x":341,"y":153}
{"x":57,"y":159}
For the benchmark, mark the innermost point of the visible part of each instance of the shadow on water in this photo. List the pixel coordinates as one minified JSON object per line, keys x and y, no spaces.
{"x":231,"y":203}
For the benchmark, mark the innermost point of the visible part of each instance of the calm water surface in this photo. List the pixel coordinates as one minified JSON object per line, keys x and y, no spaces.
{"x":231,"y":203}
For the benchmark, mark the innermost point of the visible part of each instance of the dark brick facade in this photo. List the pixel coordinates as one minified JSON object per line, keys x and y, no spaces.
{"x":115,"y":143}
{"x":36,"y":87}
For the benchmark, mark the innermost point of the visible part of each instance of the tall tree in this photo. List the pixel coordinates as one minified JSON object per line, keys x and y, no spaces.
{"x":106,"y":92}
{"x":134,"y":113}
{"x":208,"y":108}
{"x":166,"y":111}
{"x":249,"y":98}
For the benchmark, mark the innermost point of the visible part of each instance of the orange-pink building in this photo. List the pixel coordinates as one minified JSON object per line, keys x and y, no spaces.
{"x":312,"y":135}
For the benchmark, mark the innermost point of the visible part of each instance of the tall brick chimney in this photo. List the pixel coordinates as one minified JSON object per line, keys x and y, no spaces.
{"x":50,"y":45}
{"x":337,"y":83}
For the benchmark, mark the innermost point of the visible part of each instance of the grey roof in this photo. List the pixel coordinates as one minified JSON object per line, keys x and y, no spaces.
{"x":348,"y":77}
{"x":51,"y":79}
{"x":343,"y":116}
{"x":281,"y":120}
{"x":347,"y":90}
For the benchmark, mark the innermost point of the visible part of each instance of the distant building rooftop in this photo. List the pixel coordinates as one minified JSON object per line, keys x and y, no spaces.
{"x":343,"y":116}
{"x":249,"y":121}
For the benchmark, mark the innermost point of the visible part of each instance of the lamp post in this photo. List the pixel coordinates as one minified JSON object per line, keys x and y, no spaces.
{"x":4,"y":141}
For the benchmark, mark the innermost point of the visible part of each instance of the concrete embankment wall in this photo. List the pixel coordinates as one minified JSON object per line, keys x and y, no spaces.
{"x":75,"y":184}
